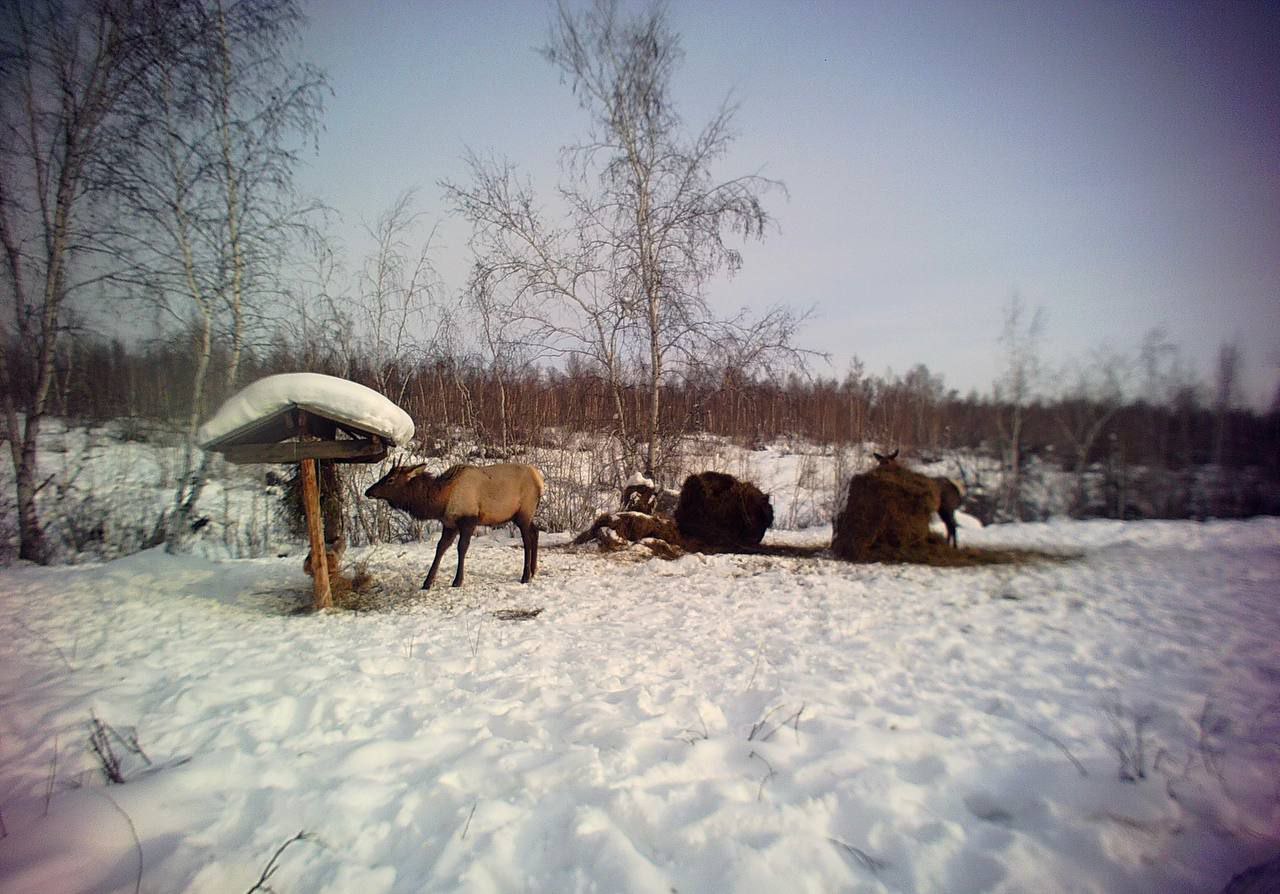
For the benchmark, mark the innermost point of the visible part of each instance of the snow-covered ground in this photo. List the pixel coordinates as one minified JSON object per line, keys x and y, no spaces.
{"x":720,"y":723}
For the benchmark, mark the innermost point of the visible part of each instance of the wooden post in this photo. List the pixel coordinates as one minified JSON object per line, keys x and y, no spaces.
{"x":315,"y":528}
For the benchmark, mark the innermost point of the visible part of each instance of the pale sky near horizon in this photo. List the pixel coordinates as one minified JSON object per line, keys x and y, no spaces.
{"x":1115,"y":163}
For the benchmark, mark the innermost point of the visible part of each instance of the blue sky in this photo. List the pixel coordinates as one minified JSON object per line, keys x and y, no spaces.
{"x":1117,"y":164}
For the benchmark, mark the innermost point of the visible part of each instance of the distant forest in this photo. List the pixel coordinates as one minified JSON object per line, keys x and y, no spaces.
{"x":460,"y":397}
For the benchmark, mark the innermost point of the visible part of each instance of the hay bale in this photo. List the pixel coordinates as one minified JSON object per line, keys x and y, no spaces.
{"x":719,"y":510}
{"x":886,"y":515}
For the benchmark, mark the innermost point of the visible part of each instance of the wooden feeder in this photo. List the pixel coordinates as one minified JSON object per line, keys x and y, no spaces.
{"x":302,"y":418}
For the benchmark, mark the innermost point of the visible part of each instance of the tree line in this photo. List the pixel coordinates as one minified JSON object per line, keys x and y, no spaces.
{"x":455,"y":397}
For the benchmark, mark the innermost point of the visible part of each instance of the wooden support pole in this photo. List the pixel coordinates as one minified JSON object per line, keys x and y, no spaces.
{"x":315,"y":528}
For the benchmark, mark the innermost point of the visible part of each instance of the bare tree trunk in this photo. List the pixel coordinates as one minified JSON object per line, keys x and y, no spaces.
{"x":177,"y":528}
{"x":1020,"y":339}
{"x":32,"y":545}
{"x":1013,"y":484}
{"x":78,"y":60}
{"x":231,"y":184}
{"x":655,"y":409}
{"x":1225,"y":386}
{"x":502,"y":411}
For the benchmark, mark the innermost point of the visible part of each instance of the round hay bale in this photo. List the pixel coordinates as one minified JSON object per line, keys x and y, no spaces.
{"x":886,"y":514}
{"x":719,"y":510}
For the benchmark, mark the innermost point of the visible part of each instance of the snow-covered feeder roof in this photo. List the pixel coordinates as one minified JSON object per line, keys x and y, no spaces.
{"x":290,"y":405}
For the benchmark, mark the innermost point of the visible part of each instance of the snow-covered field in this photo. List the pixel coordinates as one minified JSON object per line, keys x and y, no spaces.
{"x":711,"y":724}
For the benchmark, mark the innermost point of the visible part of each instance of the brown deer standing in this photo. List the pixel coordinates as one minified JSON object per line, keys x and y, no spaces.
{"x":463,"y":497}
{"x":947,"y":493}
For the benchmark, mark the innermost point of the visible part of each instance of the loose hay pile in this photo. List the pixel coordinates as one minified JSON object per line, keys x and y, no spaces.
{"x":720,"y":511}
{"x":640,"y":498}
{"x":886,"y":517}
{"x":639,"y":522}
{"x":618,"y":530}
{"x":640,"y":495}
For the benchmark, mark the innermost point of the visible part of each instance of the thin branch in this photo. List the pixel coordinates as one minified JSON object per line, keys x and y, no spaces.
{"x":273,"y":865}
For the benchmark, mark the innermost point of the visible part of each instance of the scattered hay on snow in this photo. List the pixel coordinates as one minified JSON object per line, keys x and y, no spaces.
{"x":629,"y":527}
{"x":619,"y":530}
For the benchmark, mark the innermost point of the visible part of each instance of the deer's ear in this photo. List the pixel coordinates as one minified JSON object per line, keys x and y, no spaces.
{"x":414,"y":471}
{"x":894,"y":455}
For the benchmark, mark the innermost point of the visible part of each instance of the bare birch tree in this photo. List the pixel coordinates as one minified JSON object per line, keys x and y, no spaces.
{"x":64,"y":68}
{"x":623,"y":282}
{"x":503,"y":332}
{"x":554,"y":277}
{"x":657,"y":207}
{"x":1091,"y":395}
{"x":400,"y":312}
{"x":204,"y":170}
{"x":1020,"y":341}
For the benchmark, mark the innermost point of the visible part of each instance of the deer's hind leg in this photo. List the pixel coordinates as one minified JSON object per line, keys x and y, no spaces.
{"x":529,"y":536}
{"x":949,"y":519}
{"x":466,"y":527}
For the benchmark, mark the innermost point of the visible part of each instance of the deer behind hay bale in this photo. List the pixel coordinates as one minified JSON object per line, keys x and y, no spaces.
{"x":886,"y":514}
{"x":463,"y":497}
{"x":719,"y":510}
{"x":948,"y":496}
